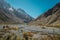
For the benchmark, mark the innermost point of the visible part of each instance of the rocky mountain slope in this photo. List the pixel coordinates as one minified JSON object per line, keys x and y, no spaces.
{"x":23,"y":15}
{"x":50,"y":18}
{"x":8,"y":14}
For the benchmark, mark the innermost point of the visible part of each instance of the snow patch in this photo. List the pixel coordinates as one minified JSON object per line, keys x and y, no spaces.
{"x":10,"y":9}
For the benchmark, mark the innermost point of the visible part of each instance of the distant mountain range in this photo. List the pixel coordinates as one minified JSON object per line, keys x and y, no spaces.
{"x":8,"y":14}
{"x":49,"y":18}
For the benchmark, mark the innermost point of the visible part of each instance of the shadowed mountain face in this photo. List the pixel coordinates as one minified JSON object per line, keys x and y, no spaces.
{"x":10,"y":15}
{"x":23,"y":15}
{"x":51,"y":17}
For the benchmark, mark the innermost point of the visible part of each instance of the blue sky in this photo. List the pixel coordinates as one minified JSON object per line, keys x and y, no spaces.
{"x":33,"y":7}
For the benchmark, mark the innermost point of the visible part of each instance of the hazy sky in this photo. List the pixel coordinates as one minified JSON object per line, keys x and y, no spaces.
{"x":33,"y":7}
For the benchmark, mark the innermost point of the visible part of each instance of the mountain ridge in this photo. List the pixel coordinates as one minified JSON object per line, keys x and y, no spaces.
{"x":50,"y":18}
{"x":8,"y":14}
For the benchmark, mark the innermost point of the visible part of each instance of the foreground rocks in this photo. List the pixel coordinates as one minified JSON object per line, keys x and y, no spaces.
{"x":13,"y":33}
{"x":8,"y":35}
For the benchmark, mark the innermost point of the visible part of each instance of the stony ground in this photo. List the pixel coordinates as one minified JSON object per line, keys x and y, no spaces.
{"x":39,"y":33}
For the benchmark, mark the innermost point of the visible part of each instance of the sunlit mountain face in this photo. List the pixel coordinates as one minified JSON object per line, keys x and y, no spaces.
{"x":9,"y":14}
{"x":49,"y":18}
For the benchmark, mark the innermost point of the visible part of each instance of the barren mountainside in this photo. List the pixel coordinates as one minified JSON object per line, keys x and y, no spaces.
{"x":8,"y":14}
{"x":51,"y":17}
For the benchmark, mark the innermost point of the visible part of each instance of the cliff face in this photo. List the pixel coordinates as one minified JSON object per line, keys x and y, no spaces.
{"x":9,"y":14}
{"x":51,"y":17}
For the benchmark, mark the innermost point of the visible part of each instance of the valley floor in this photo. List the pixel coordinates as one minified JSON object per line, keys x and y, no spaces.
{"x":34,"y":32}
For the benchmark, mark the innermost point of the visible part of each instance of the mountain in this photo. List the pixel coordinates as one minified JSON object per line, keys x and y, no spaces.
{"x":49,"y":18}
{"x":23,"y":15}
{"x":8,"y":14}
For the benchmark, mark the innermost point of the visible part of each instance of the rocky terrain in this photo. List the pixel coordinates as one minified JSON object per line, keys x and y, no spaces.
{"x":49,"y":18}
{"x":16,"y":32}
{"x":8,"y":14}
